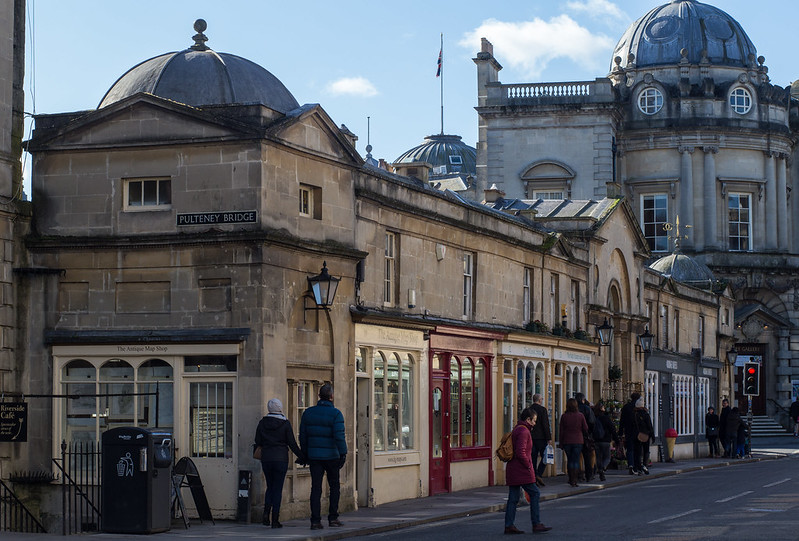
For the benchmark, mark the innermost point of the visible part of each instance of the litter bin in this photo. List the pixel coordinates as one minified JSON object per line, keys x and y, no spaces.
{"x":136,"y":480}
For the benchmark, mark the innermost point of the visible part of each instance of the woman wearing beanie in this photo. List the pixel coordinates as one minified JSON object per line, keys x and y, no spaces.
{"x":274,"y":436}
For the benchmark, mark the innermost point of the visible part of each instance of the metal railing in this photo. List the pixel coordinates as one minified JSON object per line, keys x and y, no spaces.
{"x":14,"y":516}
{"x":80,"y":466}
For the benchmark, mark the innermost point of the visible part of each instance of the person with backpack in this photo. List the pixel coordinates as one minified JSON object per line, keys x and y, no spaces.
{"x":604,"y":433}
{"x":275,"y":437}
{"x":520,"y":475}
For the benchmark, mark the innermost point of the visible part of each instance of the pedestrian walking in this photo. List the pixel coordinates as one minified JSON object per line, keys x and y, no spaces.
{"x":725,"y":412}
{"x":542,"y":436}
{"x":712,"y":432}
{"x":795,"y":416}
{"x":573,"y":427}
{"x":324,"y":445}
{"x":732,"y":423}
{"x":645,"y":436}
{"x":520,"y":475}
{"x":275,"y":437}
{"x":629,"y":430}
{"x":588,"y":446}
{"x":604,"y":433}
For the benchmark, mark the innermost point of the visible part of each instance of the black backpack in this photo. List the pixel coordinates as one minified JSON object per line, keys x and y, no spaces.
{"x":599,"y":430}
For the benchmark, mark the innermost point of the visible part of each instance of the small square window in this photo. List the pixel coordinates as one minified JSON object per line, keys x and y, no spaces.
{"x":148,"y":194}
{"x":310,"y":200}
{"x":456,"y":160}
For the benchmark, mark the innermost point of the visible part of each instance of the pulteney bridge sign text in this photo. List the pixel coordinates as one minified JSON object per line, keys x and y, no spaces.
{"x":13,"y":421}
{"x":227,"y":217}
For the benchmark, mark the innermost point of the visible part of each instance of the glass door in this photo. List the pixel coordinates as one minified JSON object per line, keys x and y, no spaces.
{"x":439,"y":437}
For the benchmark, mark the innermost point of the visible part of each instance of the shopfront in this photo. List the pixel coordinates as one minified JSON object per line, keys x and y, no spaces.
{"x":461,"y":408}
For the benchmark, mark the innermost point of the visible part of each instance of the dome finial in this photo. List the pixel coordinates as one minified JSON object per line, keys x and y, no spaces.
{"x":199,"y":38}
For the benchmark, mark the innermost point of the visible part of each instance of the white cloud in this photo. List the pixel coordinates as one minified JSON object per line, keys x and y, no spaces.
{"x":352,"y":86}
{"x":529,"y":46}
{"x":597,"y":8}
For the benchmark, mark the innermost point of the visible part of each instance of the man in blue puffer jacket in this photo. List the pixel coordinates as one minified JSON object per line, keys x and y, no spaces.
{"x":322,"y":441}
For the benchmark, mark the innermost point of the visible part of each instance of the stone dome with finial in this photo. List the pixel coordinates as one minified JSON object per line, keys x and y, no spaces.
{"x":684,"y":269}
{"x":685,"y":29}
{"x":199,"y":76}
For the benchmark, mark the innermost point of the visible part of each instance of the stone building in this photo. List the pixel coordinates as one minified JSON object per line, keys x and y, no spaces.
{"x":688,"y":126}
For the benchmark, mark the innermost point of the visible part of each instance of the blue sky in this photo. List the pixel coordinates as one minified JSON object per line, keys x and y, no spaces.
{"x":360,"y":59}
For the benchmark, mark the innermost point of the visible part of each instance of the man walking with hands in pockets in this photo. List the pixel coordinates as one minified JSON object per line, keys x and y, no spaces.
{"x":323,"y":443}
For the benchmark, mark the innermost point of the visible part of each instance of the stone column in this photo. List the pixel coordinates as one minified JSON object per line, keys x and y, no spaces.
{"x":770,"y":234}
{"x":782,"y":205}
{"x":687,"y":217}
{"x":709,"y":195}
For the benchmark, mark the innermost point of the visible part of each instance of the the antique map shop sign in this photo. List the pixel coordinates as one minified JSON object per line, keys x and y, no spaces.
{"x":13,"y":421}
{"x":212,"y":218}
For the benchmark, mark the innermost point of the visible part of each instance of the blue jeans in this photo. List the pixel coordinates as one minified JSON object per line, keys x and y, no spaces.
{"x":514,"y":491}
{"x":275,"y":474}
{"x":573,"y":452}
{"x":318,"y":470}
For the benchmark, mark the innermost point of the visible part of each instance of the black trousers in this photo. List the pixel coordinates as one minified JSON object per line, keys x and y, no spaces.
{"x":318,"y":469}
{"x":539,"y":448}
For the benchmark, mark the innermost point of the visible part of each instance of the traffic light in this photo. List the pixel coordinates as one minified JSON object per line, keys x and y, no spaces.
{"x":751,"y":379}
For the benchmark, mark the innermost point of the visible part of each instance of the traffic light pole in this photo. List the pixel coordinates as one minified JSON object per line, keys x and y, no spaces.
{"x":748,"y":448}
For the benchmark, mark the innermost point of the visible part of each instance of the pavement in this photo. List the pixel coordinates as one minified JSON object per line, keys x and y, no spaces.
{"x":407,"y":513}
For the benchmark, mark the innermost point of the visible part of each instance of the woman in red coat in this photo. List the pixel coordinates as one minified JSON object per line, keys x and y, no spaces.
{"x":572,"y":428}
{"x":519,"y":474}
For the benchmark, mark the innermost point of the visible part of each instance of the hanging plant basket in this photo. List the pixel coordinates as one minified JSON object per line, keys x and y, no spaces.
{"x":614,"y":373}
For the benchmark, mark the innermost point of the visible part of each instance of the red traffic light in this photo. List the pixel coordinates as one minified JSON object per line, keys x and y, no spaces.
{"x":751,"y":370}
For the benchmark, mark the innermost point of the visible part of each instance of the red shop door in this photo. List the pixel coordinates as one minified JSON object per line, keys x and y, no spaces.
{"x":439,"y":437}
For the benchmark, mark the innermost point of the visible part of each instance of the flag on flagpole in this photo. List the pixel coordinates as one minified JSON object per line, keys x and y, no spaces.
{"x":440,"y":61}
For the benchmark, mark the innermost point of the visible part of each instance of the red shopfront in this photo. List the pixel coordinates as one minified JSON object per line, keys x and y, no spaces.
{"x":461,"y":409}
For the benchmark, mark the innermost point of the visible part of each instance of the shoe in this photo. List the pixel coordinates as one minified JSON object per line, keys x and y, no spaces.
{"x":276,"y":524}
{"x":267,"y":514}
{"x":632,"y":471}
{"x":601,"y":476}
{"x":512,"y":529}
{"x":539,"y":482}
{"x":316,"y":526}
{"x":540,"y":528}
{"x":645,"y":470}
{"x":335,"y":523}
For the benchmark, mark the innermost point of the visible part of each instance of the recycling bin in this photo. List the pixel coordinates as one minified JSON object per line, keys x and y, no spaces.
{"x":136,"y":480}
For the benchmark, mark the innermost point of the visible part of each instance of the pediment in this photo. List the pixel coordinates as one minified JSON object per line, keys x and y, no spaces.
{"x":311,"y":129}
{"x":140,"y":120}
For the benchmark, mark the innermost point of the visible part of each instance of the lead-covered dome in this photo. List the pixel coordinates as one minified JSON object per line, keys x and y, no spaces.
{"x":702,"y":30}
{"x":199,"y":76}
{"x":684,"y":269}
{"x":447,"y":154}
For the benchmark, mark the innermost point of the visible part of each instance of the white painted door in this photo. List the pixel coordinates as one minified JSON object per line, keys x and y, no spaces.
{"x":210,"y":441}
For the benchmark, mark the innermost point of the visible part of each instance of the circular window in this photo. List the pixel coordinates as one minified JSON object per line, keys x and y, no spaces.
{"x":650,"y":101}
{"x":741,"y":101}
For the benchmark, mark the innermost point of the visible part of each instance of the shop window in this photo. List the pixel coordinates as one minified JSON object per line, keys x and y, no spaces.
{"x":211,"y":419}
{"x":654,"y":216}
{"x":683,"y":404}
{"x":394,"y":395}
{"x":652,"y":393}
{"x":148,"y":194}
{"x":702,"y":401}
{"x":360,"y":360}
{"x":155,"y":376}
{"x":467,"y":403}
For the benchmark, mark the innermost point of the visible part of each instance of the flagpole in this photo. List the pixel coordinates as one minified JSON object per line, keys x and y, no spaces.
{"x":442,"y":83}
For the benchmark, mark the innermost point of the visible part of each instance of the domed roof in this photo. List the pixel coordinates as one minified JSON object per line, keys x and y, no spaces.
{"x":446,"y":153}
{"x":199,"y":76}
{"x":684,"y":269}
{"x":702,"y":30}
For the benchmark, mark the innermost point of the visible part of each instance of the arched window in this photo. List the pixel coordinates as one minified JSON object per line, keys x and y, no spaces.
{"x":79,"y":378}
{"x":155,"y":376}
{"x":467,"y":402}
{"x":394,"y":397}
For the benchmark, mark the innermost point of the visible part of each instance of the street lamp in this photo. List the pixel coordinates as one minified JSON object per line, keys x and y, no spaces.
{"x":605,"y":332}
{"x":645,"y":340}
{"x":323,"y":288}
{"x":732,"y":355}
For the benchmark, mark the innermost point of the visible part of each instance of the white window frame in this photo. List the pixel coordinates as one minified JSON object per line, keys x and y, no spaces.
{"x":468,"y":284}
{"x":659,"y":242}
{"x":554,"y":299}
{"x":683,"y":392}
{"x":650,"y":101}
{"x":740,"y":100}
{"x":390,"y":267}
{"x":548,"y":195}
{"x":306,"y":201}
{"x":381,"y":411}
{"x":455,"y":159}
{"x":739,"y":222}
{"x":652,"y":398}
{"x":702,"y":402}
{"x":142,"y":206}
{"x":527,"y":296}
